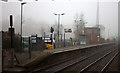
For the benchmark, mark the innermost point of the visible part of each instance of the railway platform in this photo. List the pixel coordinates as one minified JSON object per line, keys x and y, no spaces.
{"x":50,"y":55}
{"x":65,"y":49}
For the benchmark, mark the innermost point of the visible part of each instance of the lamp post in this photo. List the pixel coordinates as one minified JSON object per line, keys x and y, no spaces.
{"x":21,"y":19}
{"x":59,"y":24}
{"x":64,"y":37}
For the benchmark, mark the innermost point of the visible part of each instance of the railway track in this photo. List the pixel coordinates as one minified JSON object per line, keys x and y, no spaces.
{"x":100,"y":64}
{"x":108,"y":63}
{"x":82,"y":66}
{"x":69,"y":64}
{"x":112,"y":65}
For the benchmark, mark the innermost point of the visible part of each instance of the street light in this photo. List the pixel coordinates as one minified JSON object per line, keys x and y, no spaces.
{"x":58,"y":24}
{"x":21,"y":19}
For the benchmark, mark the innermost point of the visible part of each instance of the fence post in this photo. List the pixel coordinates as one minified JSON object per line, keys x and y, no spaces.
{"x":29,"y":48}
{"x":23,"y":43}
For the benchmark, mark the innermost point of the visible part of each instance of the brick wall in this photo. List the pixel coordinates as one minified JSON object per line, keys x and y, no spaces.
{"x":92,"y":35}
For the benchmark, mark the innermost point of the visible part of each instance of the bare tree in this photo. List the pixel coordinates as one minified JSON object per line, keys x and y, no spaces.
{"x":79,"y":26}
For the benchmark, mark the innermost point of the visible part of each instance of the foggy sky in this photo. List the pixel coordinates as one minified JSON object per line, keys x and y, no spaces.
{"x":119,"y":20}
{"x":0,"y":16}
{"x":37,"y":14}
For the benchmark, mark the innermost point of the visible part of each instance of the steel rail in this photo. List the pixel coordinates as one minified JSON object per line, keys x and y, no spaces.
{"x":91,"y":64}
{"x":49,"y":66}
{"x":61,"y":63}
{"x":53,"y":64}
{"x":76,"y":62}
{"x":41,"y":69}
{"x":108,"y":63}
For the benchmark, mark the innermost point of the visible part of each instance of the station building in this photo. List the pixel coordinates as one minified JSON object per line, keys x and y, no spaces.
{"x":92,"y":35}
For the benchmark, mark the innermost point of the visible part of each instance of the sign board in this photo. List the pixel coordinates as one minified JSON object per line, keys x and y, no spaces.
{"x":47,"y":41}
{"x":34,"y":35}
{"x":33,"y":41}
{"x":34,"y":38}
{"x":68,"y":30}
{"x":82,"y":42}
{"x":46,"y":38}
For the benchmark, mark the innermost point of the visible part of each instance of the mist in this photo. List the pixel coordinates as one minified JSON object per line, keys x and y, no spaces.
{"x":37,"y":15}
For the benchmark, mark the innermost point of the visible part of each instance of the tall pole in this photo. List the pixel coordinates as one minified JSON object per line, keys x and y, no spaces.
{"x":58,"y":27}
{"x":97,"y":21}
{"x":44,"y":36}
{"x":61,"y":40}
{"x":22,"y":20}
{"x":58,"y":24}
{"x":61,"y":35}
{"x":64,"y":38}
{"x":21,"y":17}
{"x":108,"y":33}
{"x":21,"y":23}
{"x":11,"y":33}
{"x":77,"y":34}
{"x":97,"y":15}
{"x":1,"y":58}
{"x":29,"y":48}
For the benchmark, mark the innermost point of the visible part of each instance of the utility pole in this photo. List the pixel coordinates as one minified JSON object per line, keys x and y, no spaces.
{"x":97,"y":21}
{"x":97,"y":15}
